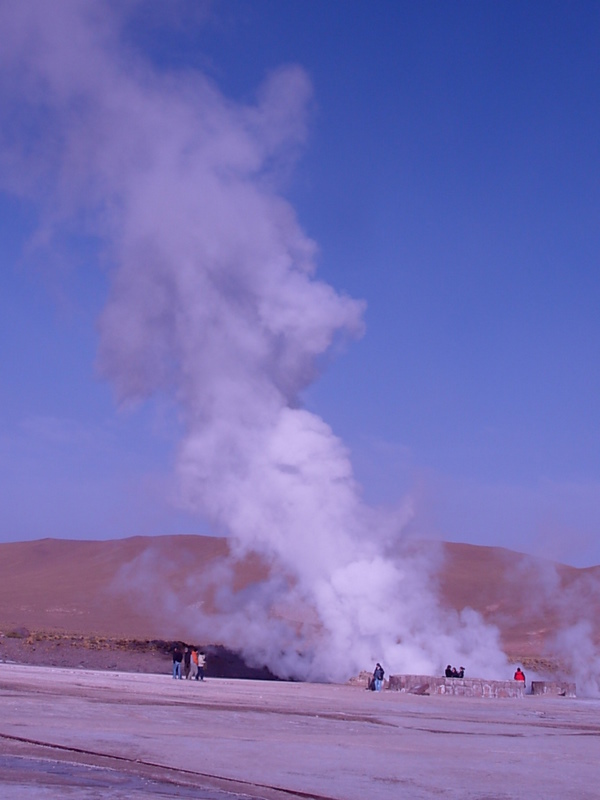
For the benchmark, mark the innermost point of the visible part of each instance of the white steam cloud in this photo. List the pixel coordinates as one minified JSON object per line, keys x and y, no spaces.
{"x":214,"y":300}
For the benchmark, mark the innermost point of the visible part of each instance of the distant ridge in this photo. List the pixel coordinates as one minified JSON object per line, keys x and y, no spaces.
{"x":100,"y":588}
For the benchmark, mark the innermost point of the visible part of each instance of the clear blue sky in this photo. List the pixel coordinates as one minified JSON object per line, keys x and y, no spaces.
{"x":450,"y":179}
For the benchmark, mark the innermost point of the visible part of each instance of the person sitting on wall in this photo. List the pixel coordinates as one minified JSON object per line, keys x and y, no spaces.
{"x":519,"y":675}
{"x":448,"y":672}
{"x":461,"y":673}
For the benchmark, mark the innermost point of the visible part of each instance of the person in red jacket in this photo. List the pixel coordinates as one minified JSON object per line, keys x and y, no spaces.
{"x":519,"y":675}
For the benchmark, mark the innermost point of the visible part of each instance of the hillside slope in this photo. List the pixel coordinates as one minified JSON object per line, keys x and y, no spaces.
{"x":108,"y":588}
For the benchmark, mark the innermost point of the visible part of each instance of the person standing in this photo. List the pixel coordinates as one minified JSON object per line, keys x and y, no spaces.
{"x":194,"y":664}
{"x":201,"y":665}
{"x":177,"y":657}
{"x":187,"y":658}
{"x":378,"y":674}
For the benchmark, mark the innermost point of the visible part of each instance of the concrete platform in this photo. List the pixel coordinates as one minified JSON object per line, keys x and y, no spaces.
{"x":82,"y":734}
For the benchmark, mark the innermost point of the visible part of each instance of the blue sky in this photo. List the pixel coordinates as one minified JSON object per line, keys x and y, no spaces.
{"x":450,"y":179}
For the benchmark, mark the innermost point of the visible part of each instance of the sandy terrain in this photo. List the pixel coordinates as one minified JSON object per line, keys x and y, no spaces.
{"x":85,"y":734}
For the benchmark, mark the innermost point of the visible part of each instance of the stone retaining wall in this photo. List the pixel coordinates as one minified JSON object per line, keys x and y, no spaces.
{"x":555,"y":688}
{"x":462,"y":687}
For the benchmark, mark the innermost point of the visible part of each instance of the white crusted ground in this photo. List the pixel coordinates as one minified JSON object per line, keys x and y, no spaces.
{"x":141,"y":736}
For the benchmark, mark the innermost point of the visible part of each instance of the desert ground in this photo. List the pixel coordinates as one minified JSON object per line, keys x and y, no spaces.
{"x":90,"y":734}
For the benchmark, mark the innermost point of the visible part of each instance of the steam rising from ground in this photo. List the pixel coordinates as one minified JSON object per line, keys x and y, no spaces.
{"x":214,"y":300}
{"x":568,"y":605}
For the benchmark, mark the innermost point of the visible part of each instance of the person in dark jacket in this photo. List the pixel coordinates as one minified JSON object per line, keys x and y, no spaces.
{"x":378,"y":674}
{"x":187,"y":662}
{"x":177,"y":657}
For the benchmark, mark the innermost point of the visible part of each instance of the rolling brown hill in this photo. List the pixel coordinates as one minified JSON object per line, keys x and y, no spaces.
{"x":528,"y":598}
{"x":106,"y":588}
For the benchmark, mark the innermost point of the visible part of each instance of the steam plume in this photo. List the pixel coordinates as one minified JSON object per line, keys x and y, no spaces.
{"x":214,"y":299}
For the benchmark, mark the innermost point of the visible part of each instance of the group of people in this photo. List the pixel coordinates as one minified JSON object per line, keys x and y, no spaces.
{"x":452,"y":672}
{"x":188,"y":664}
